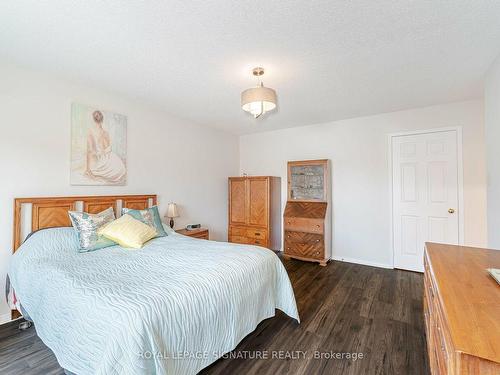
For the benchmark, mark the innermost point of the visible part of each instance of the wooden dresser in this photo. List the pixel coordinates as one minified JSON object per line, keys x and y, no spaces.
{"x":461,"y":310}
{"x":254,"y":211}
{"x":307,"y":216}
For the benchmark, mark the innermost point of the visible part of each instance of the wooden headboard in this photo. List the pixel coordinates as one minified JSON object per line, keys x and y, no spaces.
{"x":53,"y":211}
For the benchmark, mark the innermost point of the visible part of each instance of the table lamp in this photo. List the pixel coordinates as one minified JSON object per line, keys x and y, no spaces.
{"x":171,"y":213}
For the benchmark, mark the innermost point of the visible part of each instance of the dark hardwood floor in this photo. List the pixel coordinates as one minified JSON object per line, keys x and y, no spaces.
{"x":344,"y":308}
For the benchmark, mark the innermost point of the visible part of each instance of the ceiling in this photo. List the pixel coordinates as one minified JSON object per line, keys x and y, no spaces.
{"x":327,"y":59}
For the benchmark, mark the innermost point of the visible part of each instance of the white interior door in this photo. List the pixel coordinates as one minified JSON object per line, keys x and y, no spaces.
{"x":425,"y":194}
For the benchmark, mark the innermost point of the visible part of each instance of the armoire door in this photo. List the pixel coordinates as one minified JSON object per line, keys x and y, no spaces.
{"x":237,"y":201}
{"x":258,"y":190}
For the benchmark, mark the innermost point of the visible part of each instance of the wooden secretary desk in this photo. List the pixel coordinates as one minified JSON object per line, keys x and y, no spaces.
{"x":254,"y":211}
{"x":307,"y":217}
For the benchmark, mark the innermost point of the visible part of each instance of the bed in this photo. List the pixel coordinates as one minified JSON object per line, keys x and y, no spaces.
{"x":173,"y":307}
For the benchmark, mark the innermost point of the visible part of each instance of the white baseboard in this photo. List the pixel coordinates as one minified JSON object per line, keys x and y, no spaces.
{"x":5,"y":318}
{"x":363,"y":262}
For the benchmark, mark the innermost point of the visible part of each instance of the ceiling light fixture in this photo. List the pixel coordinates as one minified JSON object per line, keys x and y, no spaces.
{"x":258,"y":100}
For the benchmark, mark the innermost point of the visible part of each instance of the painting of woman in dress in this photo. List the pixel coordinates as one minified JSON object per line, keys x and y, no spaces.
{"x":98,"y":147}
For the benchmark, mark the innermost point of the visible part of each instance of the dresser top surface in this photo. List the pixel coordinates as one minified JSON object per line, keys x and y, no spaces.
{"x":470,"y":297}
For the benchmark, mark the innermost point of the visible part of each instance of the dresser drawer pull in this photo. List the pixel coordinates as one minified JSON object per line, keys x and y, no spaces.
{"x":257,"y":233}
{"x":318,"y":240}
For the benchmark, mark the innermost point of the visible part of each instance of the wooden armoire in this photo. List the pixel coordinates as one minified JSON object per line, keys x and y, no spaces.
{"x":254,"y":211}
{"x":307,"y":216}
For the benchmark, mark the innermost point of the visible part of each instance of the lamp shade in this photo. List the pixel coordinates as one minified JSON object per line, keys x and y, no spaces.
{"x":258,"y":100}
{"x":172,"y":210}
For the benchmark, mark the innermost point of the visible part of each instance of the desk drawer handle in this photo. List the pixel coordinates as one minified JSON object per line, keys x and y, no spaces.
{"x":257,"y":233}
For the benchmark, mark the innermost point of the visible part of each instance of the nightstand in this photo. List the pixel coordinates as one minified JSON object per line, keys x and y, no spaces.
{"x":201,"y":233}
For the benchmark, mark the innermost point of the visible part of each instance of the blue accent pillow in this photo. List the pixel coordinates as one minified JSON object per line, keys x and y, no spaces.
{"x":149,"y":216}
{"x":86,"y":227}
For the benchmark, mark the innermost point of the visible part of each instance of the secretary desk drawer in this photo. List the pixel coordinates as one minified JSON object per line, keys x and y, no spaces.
{"x":301,"y":224}
{"x":302,"y":237}
{"x":305,"y":250}
{"x":307,"y":245}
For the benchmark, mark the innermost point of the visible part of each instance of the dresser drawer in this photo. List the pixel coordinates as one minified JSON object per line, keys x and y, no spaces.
{"x":442,"y":351}
{"x":201,"y":235}
{"x":427,"y":316}
{"x":248,"y":240}
{"x":238,"y":239}
{"x":443,"y":338}
{"x":430,"y":293}
{"x":301,"y":224}
{"x":238,"y":231}
{"x":257,"y":241}
{"x":256,"y":233}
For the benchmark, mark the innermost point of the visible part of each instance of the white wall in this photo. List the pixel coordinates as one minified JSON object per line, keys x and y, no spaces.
{"x":178,"y":161}
{"x":189,"y":164}
{"x":358,"y":149}
{"x":492,"y":124}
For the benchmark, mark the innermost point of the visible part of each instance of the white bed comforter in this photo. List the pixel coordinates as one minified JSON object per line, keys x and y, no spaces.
{"x":173,"y":307}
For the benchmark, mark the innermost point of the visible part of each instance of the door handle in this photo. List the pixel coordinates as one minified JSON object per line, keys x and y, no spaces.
{"x":451,"y":210}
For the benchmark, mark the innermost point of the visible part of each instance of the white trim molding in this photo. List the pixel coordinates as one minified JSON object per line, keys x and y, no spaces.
{"x":5,"y":318}
{"x":363,"y":262}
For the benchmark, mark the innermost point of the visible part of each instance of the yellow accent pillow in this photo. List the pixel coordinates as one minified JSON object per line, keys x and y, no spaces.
{"x":128,"y":232}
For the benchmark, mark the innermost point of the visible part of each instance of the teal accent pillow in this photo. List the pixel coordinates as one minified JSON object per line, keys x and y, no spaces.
{"x":86,"y":227}
{"x":149,"y":216}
